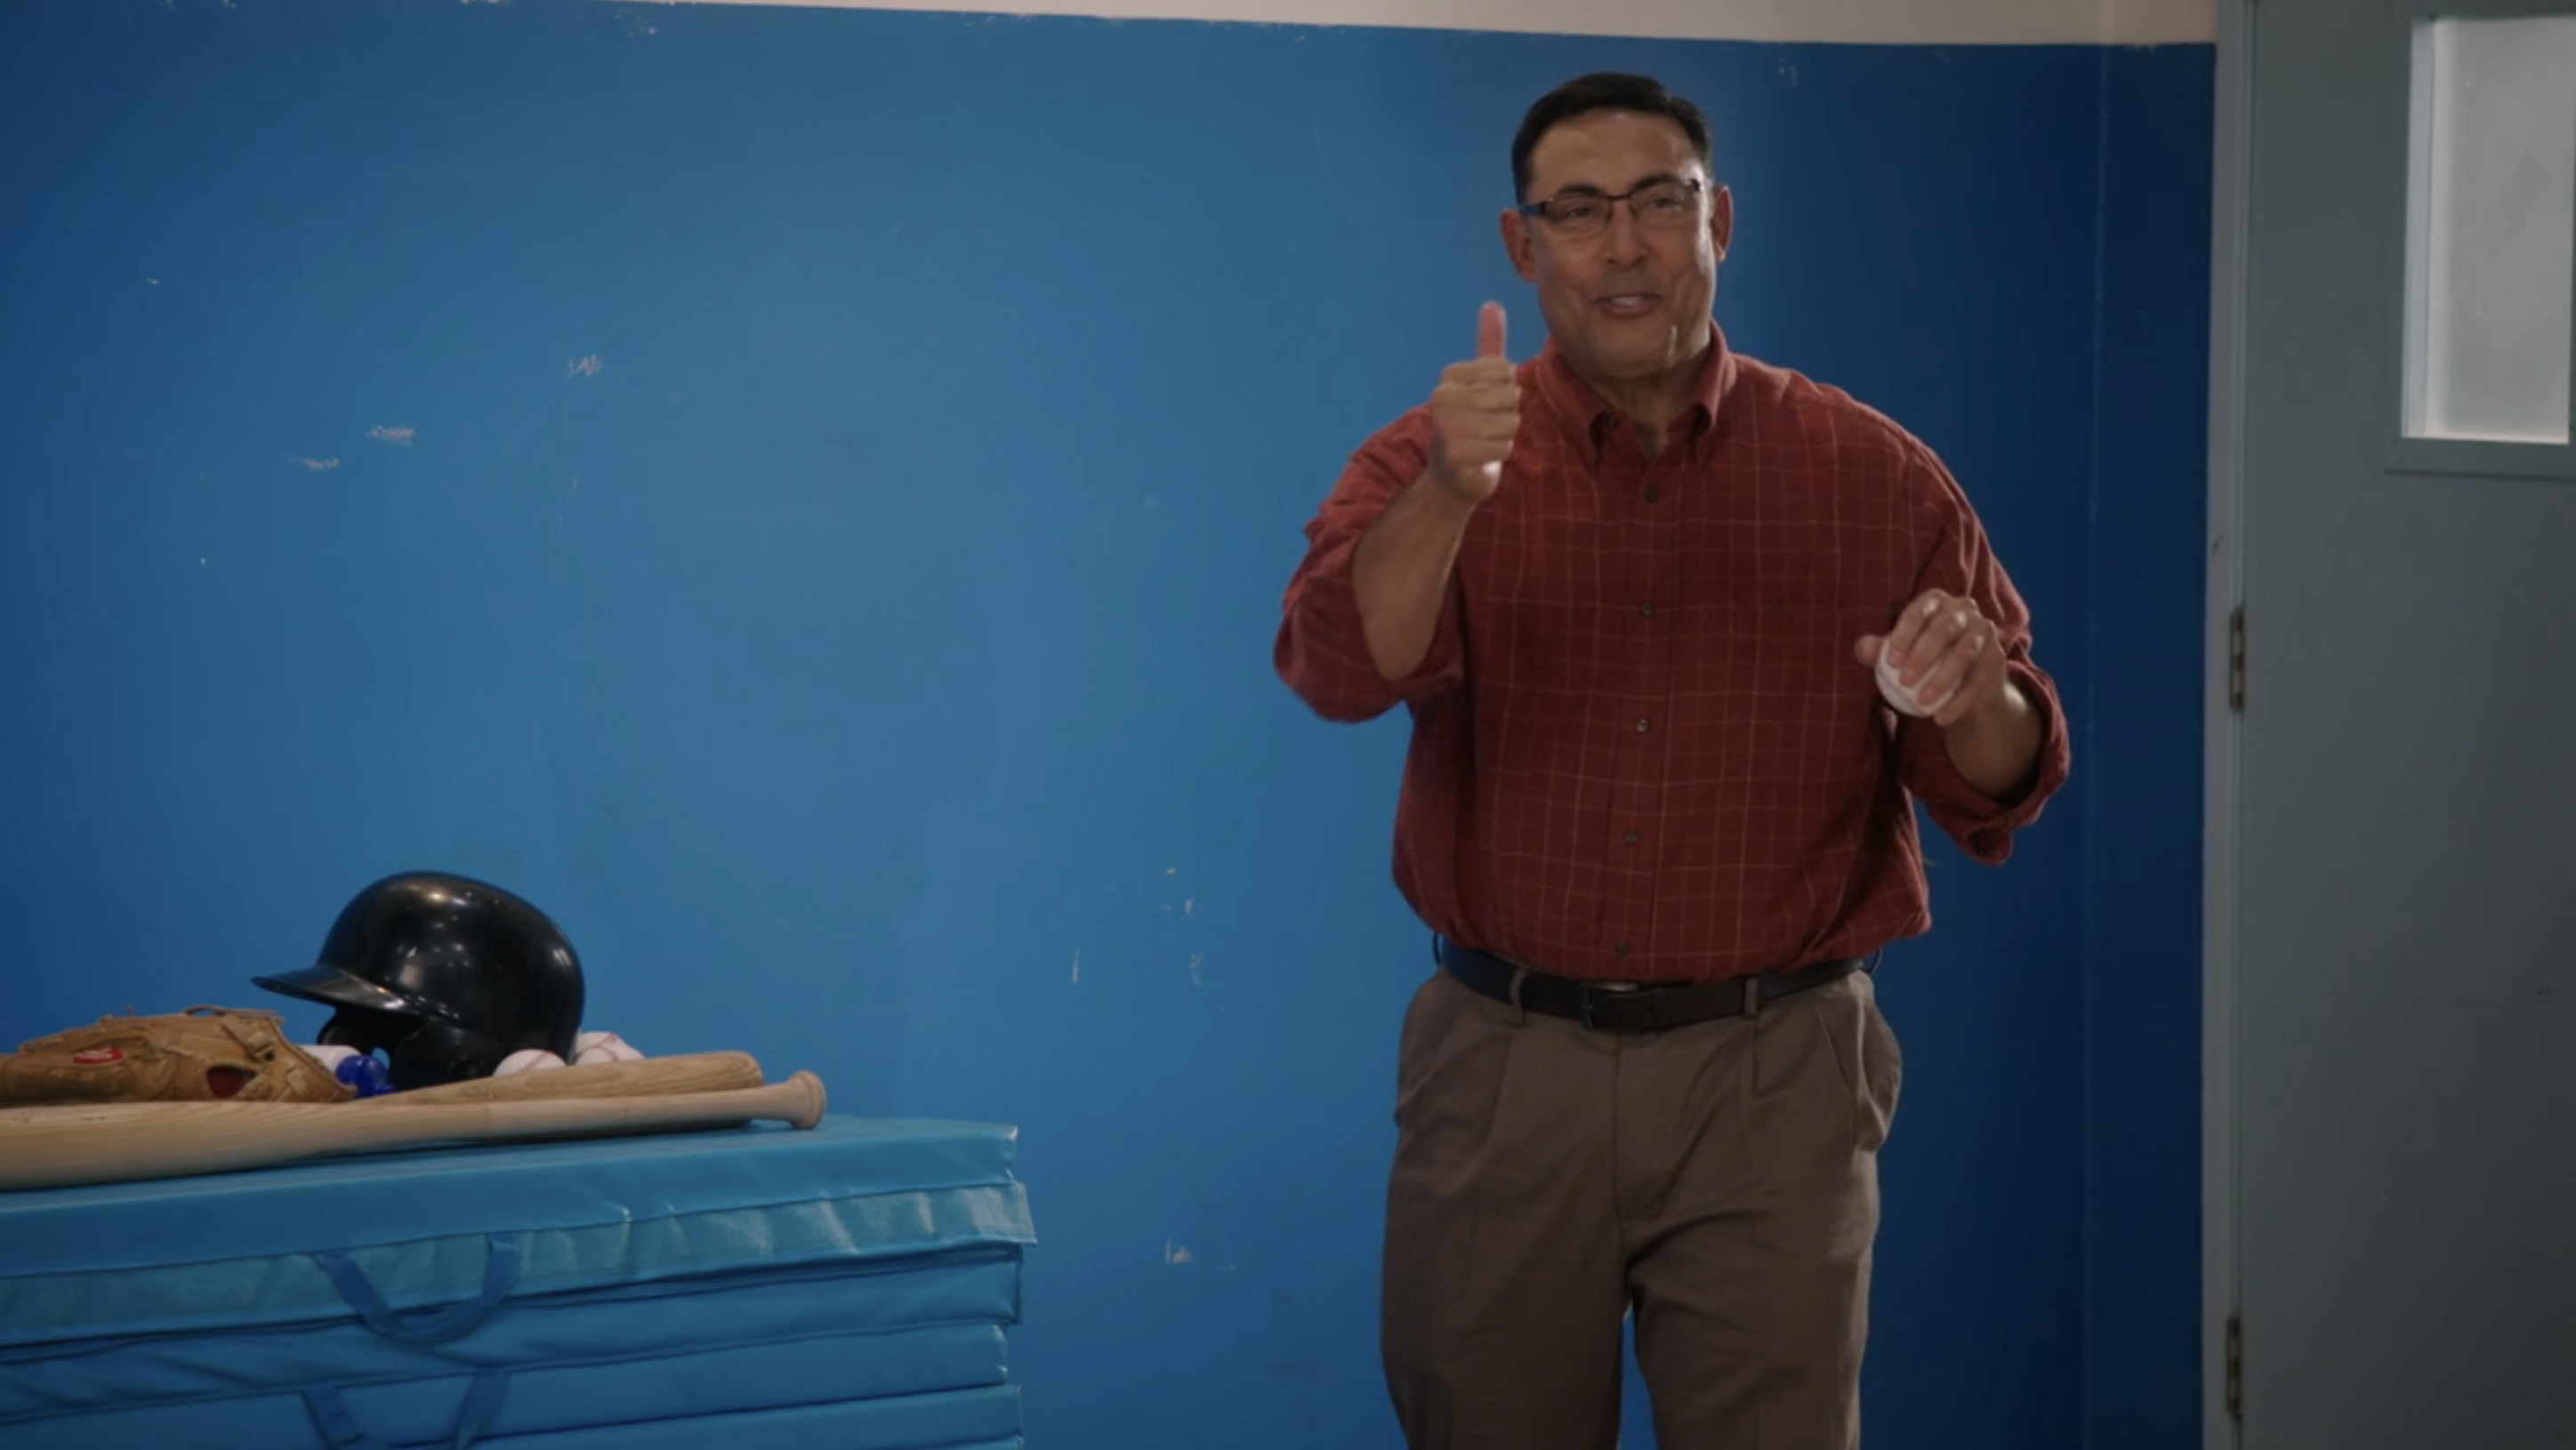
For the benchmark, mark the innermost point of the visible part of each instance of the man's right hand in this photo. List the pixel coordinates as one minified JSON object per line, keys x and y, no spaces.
{"x":1475,"y":413}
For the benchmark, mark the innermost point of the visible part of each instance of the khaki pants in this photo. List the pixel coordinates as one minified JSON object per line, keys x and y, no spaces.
{"x":1720,"y":1181}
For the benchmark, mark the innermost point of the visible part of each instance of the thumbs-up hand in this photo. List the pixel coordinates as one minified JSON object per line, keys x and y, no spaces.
{"x":1475,"y":412}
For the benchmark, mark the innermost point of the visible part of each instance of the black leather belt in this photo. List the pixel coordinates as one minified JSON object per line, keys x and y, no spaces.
{"x":1630,"y":1006}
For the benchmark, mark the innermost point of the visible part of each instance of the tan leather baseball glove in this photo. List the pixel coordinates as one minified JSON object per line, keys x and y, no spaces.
{"x":205,"y":1054}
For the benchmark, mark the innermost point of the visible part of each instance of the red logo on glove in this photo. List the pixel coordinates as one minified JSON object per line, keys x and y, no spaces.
{"x":99,"y":1056}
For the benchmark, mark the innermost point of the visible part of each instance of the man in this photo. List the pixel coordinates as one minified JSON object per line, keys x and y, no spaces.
{"x":1638,"y":594}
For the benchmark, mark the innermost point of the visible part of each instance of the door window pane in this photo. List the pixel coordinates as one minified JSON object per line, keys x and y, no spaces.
{"x":2491,"y":244}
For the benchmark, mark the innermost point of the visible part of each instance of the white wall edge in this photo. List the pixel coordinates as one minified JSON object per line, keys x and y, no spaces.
{"x":1851,"y":22}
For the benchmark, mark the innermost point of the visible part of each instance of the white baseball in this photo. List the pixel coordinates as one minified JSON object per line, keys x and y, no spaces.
{"x":1904,"y":699}
{"x":592,"y":1047}
{"x":527,"y":1059}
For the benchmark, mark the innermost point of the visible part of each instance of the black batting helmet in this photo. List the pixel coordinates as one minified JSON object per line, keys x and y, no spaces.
{"x":443,"y":974}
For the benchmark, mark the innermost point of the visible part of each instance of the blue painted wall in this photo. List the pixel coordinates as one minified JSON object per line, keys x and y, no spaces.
{"x":867,"y":662}
{"x":2141,"y":735}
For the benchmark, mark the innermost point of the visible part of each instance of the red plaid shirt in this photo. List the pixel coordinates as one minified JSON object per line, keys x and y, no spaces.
{"x":1642,"y":749}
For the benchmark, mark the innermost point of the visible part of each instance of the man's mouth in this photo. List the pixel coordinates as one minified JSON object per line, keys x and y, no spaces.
{"x":1626,"y":304}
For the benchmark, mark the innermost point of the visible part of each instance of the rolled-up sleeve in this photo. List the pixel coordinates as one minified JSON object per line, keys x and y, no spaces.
{"x":1982,"y":825}
{"x":1322,"y":652}
{"x":1963,"y":562}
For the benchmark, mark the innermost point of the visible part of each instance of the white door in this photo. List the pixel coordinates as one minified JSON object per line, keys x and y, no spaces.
{"x":2393,"y":897}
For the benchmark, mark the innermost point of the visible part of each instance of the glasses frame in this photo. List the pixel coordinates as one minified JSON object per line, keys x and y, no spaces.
{"x":1536,"y":211}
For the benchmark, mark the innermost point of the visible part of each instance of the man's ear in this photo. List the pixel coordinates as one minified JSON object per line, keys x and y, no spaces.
{"x":1721,"y":220}
{"x":1516,"y":244}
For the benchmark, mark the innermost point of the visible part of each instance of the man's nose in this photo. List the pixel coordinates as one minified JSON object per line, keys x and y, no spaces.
{"x":1625,"y":237}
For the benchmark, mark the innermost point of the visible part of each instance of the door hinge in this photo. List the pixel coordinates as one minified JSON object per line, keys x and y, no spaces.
{"x":2235,"y":1367}
{"x":2236,"y":660}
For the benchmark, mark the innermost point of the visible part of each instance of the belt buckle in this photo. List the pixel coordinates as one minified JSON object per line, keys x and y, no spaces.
{"x":1583,"y":1001}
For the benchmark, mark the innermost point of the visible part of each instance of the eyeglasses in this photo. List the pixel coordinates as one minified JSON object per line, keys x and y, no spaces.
{"x":1657,"y":206}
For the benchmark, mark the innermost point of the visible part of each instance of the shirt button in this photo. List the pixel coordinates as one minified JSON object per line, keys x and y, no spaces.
{"x":1641,"y":724}
{"x":1654,"y":495}
{"x":1630,"y":838}
{"x":1646,"y":608}
{"x":1619,"y":949}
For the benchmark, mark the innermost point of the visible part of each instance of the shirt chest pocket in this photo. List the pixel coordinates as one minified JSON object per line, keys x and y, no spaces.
{"x":1548,"y":551}
{"x":1783,"y":569}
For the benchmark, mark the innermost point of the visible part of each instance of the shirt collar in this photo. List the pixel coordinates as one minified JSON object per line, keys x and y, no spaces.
{"x":1586,"y":414}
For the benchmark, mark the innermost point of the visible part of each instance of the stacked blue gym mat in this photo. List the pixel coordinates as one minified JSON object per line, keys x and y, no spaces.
{"x":849,"y":1287}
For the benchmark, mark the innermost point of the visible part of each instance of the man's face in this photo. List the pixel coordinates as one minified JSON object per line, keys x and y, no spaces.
{"x":1628,"y":304}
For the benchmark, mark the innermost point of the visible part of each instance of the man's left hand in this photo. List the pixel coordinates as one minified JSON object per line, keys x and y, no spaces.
{"x":1943,"y":650}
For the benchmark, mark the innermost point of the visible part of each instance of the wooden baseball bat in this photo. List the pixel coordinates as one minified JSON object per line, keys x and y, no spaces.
{"x":688,"y":1072}
{"x":55,"y":1147}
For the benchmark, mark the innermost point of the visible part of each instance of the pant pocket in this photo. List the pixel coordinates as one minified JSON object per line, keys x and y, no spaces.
{"x":1866,"y":1056}
{"x":1882,"y":1077}
{"x":1449,"y":1063}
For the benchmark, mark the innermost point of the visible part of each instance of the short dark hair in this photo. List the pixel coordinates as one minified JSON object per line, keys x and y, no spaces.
{"x":1603,"y":91}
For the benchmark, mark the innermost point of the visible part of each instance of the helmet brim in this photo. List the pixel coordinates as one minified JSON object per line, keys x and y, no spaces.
{"x":336,"y":988}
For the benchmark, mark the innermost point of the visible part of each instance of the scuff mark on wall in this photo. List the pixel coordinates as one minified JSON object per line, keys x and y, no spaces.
{"x":1175,"y":1253}
{"x":1195,"y":979}
{"x":320,"y":465}
{"x":585,"y":367}
{"x":401,"y":437}
{"x":1077,"y":966}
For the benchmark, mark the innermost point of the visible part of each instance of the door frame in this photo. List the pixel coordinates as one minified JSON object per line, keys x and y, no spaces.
{"x":2221,"y":729}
